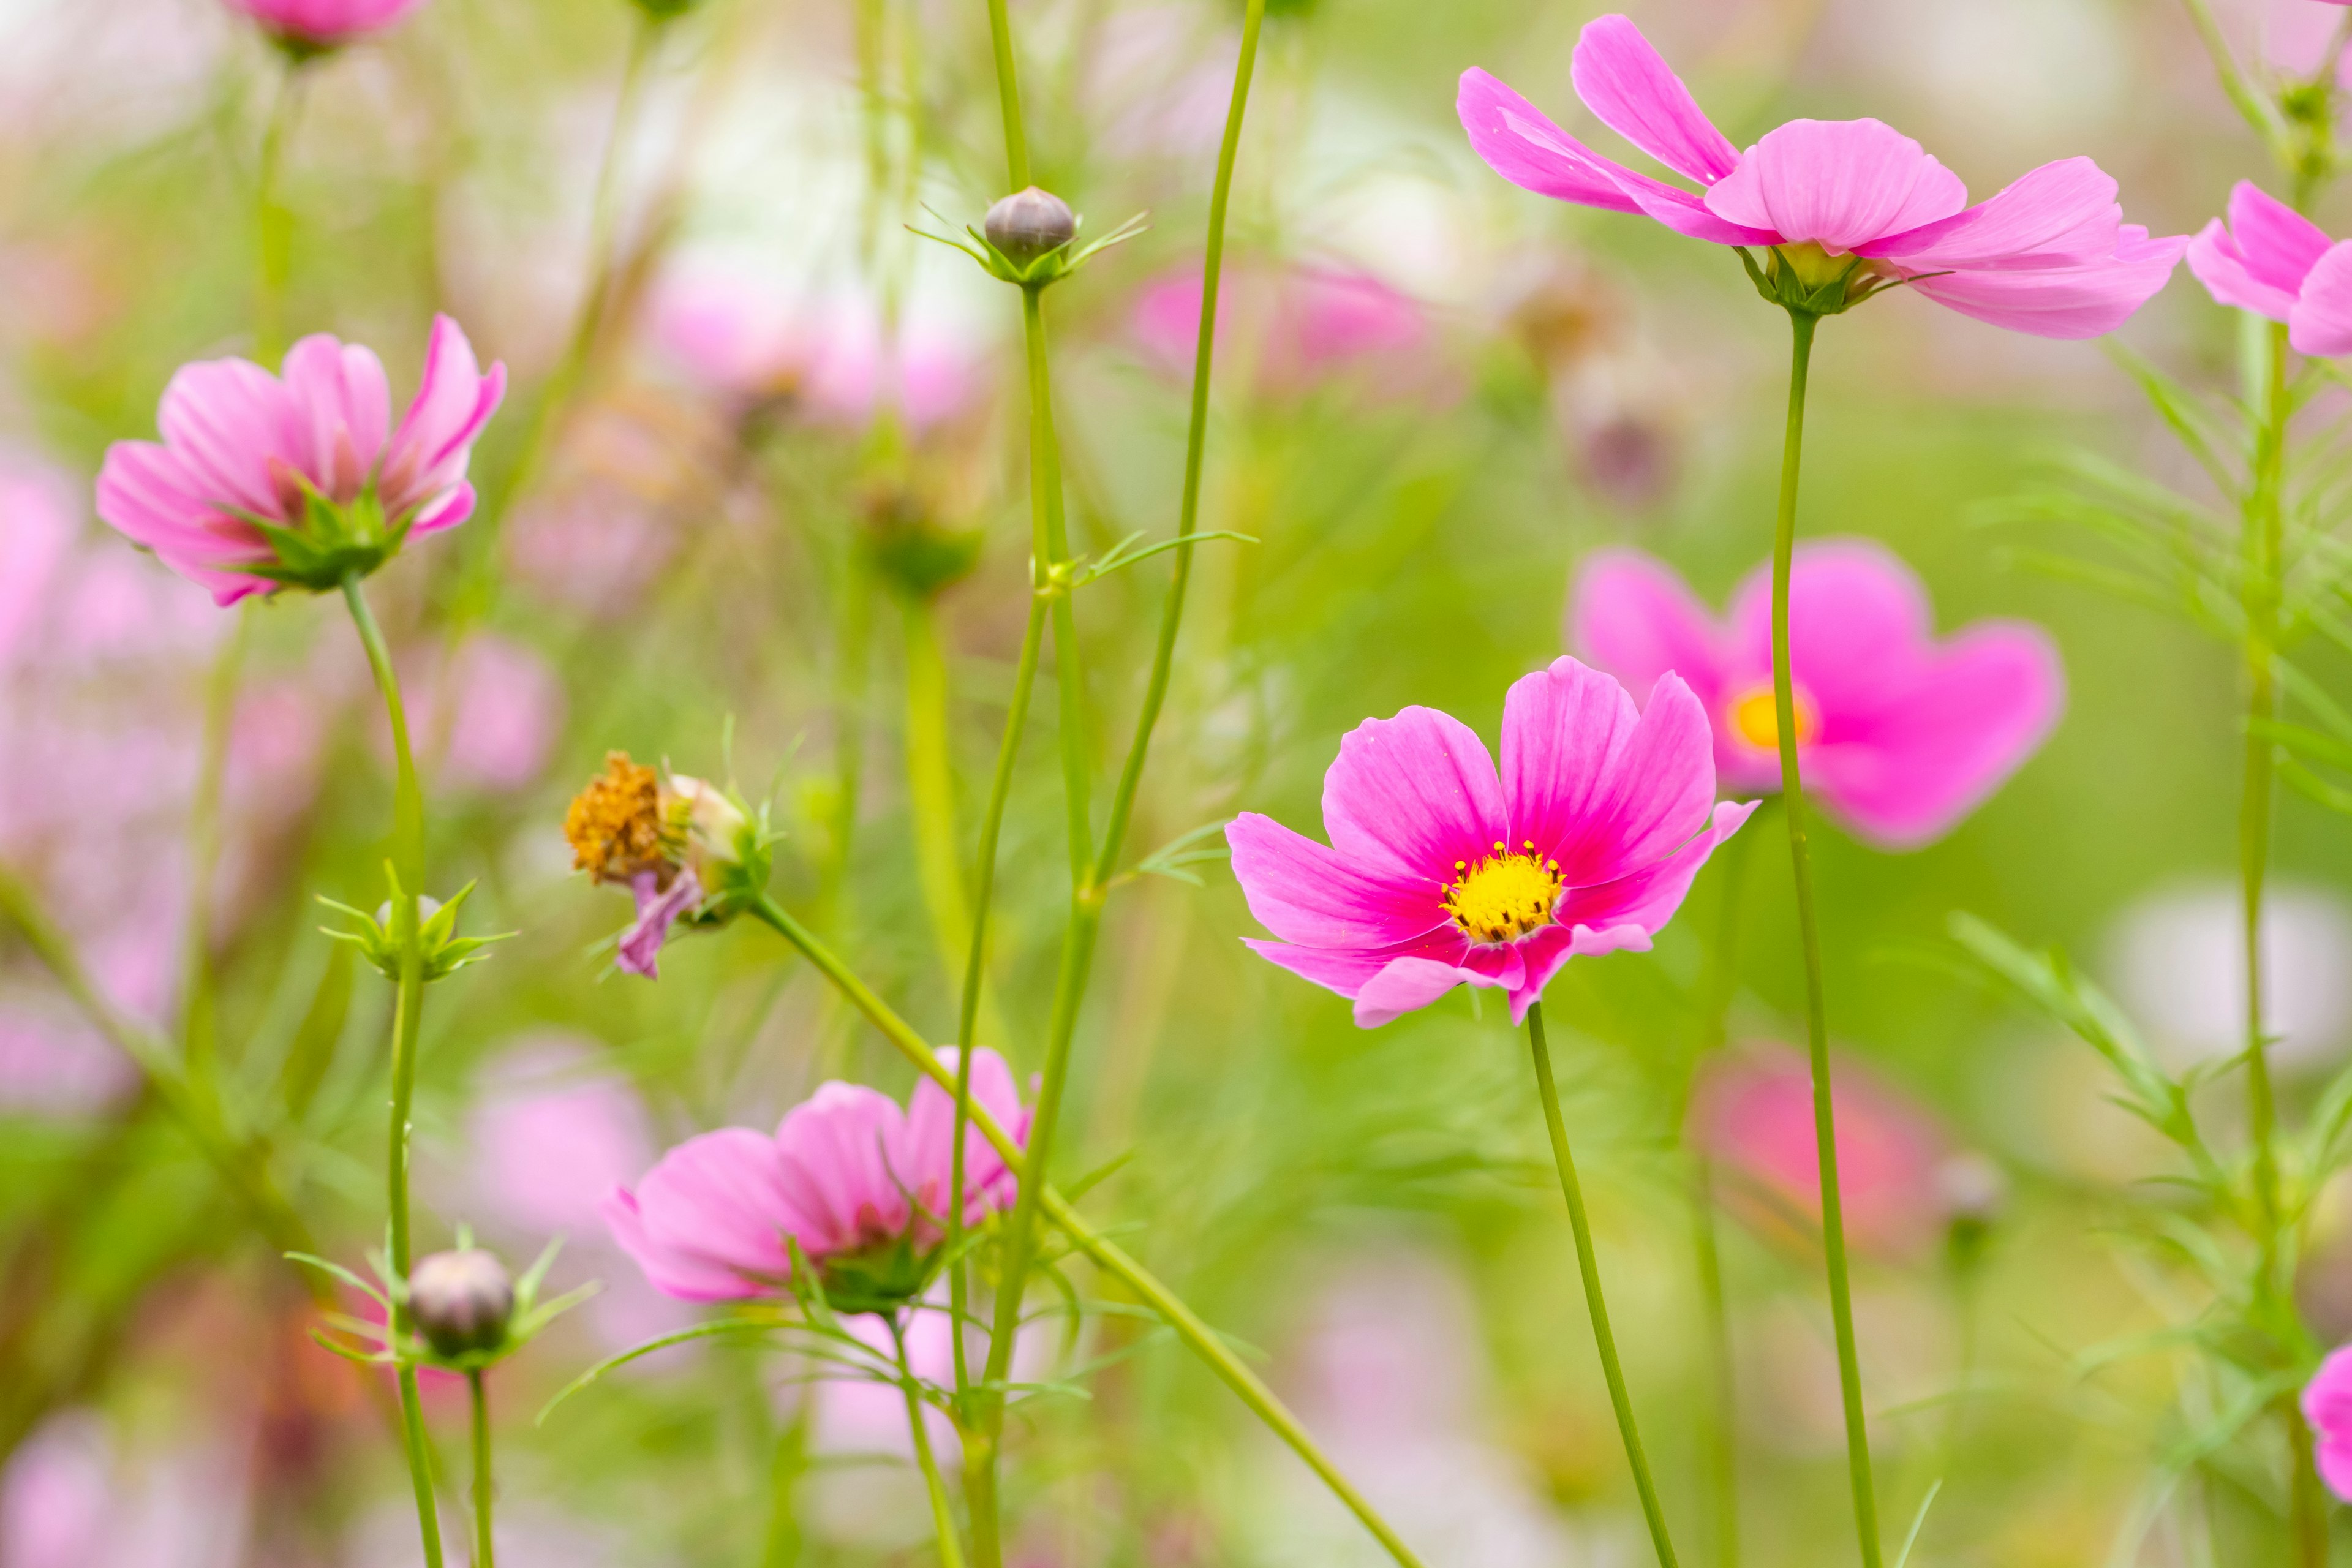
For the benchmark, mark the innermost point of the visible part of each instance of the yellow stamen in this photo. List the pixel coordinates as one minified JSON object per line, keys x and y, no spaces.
{"x":615,"y":825}
{"x":1505,"y":895}
{"x":1755,"y":719}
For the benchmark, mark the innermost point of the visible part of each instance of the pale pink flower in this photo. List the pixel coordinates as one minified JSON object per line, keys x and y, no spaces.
{"x":1441,"y":872}
{"x":1897,"y":733}
{"x":2049,"y":254}
{"x":323,"y":24}
{"x":70,"y":1499}
{"x":508,"y":711}
{"x":239,"y":443}
{"x":1753,"y":1114}
{"x":2328,"y":1406}
{"x":847,"y":1174}
{"x":1297,"y":324}
{"x":752,"y":339}
{"x":2270,"y":259}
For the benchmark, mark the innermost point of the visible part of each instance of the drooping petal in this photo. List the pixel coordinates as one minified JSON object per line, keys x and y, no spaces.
{"x":146,"y":493}
{"x":1519,"y":143}
{"x":2321,"y":323}
{"x":2064,"y":212}
{"x":1405,"y":985}
{"x":1593,"y":783}
{"x":1908,"y":772}
{"x":640,"y":949}
{"x":1306,"y":893}
{"x":708,"y":1222}
{"x":1837,"y":183}
{"x":1623,"y":79}
{"x":1347,"y":970}
{"x":1685,"y":213}
{"x":1634,"y":616}
{"x":2068,"y":302}
{"x":833,"y":1154}
{"x":1409,"y":796}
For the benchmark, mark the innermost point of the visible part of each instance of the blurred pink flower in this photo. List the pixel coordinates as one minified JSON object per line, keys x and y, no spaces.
{"x":595,"y":550}
{"x":508,"y":711}
{"x":549,"y":1143}
{"x":846,"y":1174}
{"x":852,"y":1414}
{"x":749,"y":337}
{"x":2328,"y":1406}
{"x":1441,"y":873}
{"x":2049,"y":255}
{"x":239,"y":442}
{"x":1297,"y":323}
{"x":2270,"y":259}
{"x":1753,"y":1114}
{"x":322,"y":24}
{"x":68,"y":1500}
{"x":1900,"y":735}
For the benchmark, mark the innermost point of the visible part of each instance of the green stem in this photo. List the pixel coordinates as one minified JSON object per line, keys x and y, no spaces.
{"x":1196,"y":1334}
{"x":942,"y":1516}
{"x":930,"y":785}
{"x":1588,"y":1264}
{"x":1792,"y":800}
{"x":1196,"y":441}
{"x":2254,"y":106}
{"x":783,"y":1546}
{"x":273,"y":223}
{"x":1008,"y":96}
{"x":485,"y":1550}
{"x":408,"y":867}
{"x":1051,"y":539}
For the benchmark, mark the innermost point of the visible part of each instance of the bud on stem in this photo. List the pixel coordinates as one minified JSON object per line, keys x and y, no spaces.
{"x":1029,"y":224}
{"x":461,"y":1301}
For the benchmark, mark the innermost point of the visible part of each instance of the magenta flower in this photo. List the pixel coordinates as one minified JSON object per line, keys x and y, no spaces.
{"x":2049,"y":254}
{"x":2270,"y":259}
{"x":2328,"y":1406}
{"x":863,"y":1187}
{"x":324,"y":24}
{"x":1443,"y":873}
{"x":243,"y":449}
{"x":1900,"y":735}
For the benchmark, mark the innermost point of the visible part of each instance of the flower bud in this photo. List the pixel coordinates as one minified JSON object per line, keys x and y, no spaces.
{"x":1028,"y":224}
{"x":714,"y":824}
{"x":461,"y":1301}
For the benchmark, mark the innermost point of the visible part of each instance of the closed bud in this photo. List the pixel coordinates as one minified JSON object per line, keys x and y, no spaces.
{"x":461,"y":1301}
{"x":1029,"y":224}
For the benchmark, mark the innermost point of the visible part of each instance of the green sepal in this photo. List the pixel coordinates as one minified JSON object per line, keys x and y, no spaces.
{"x":1045,"y":270}
{"x":443,"y":950}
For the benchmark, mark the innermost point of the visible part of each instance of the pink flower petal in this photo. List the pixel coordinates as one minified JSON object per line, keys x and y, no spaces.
{"x":2280,"y":245}
{"x":1623,"y":79}
{"x":2321,"y":323}
{"x":1409,"y":797}
{"x":707,"y":1222}
{"x":1520,"y":143}
{"x":428,"y":453}
{"x":341,"y":407}
{"x":2074,"y":302}
{"x":1404,"y":985}
{"x":1601,"y":788}
{"x":641,"y":944}
{"x":1837,"y":183}
{"x":1859,"y":624}
{"x":835,"y":1153}
{"x":2071,"y":201}
{"x":225,"y":420}
{"x":1305,"y":893}
{"x":2218,"y":262}
{"x":925,"y":1161}
{"x":1634,"y":616}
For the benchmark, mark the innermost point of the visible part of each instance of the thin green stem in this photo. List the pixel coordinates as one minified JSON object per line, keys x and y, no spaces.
{"x":1196,"y":442}
{"x":1052,"y":541}
{"x":931,"y":787}
{"x":1008,"y":96}
{"x":783,"y":1547}
{"x":942,"y":1516}
{"x":1588,"y":1264}
{"x":408,"y":867}
{"x":1197,"y":1336}
{"x":485,"y":1550}
{"x":273,"y":223}
{"x":2251,"y":103}
{"x":1792,"y":800}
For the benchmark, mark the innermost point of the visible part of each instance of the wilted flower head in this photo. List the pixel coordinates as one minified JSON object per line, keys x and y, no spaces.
{"x":1753,"y":1114}
{"x":1441,"y":872}
{"x":1297,"y":324}
{"x":1898,"y":734}
{"x":862,"y":1187}
{"x":1851,"y":199}
{"x":2270,"y":259}
{"x":264,"y":480}
{"x":672,"y":840}
{"x":323,"y":24}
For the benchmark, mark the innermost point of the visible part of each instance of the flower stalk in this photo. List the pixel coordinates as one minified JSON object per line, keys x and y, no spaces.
{"x":408,"y":869}
{"x":942,"y":1516}
{"x":485,"y":1550}
{"x":1588,"y":1266}
{"x":1793,"y":796}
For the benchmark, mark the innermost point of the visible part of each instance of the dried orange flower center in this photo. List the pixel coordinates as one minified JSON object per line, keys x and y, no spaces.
{"x":1503,"y":896}
{"x":1755,"y":719}
{"x":615,"y":825}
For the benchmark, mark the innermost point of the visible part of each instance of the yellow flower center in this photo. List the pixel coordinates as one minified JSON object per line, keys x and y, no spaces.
{"x":1503,"y":896}
{"x":615,"y":825}
{"x":1755,"y":719}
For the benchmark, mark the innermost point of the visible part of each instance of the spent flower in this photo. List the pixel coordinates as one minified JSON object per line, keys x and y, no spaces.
{"x":683,"y":848}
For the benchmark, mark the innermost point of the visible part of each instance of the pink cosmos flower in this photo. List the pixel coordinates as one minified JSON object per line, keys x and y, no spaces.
{"x":1754,"y":1115}
{"x":2328,"y":1406}
{"x":2048,"y":255}
{"x":1301,"y":323}
{"x":2270,"y":259}
{"x":847,"y":1174}
{"x":323,"y":24}
{"x":1900,"y":735}
{"x":1442,"y":873}
{"x":239,"y":442}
